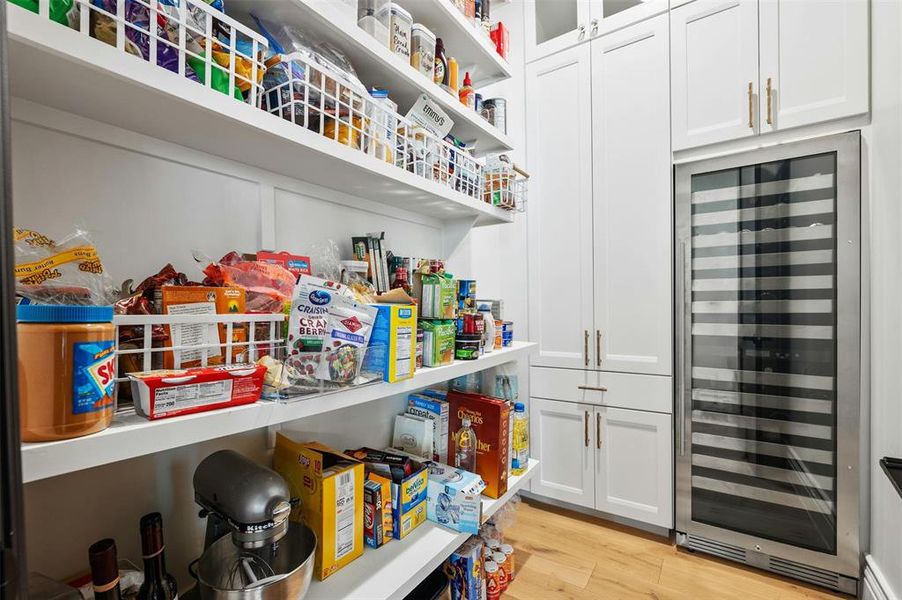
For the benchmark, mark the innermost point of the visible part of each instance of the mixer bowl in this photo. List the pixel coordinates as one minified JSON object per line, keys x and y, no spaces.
{"x":222,"y":570}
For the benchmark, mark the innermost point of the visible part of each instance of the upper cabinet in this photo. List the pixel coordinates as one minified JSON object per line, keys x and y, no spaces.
{"x":555,"y":25}
{"x":745,"y":67}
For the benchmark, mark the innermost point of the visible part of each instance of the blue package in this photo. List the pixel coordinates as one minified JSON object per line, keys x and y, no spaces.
{"x":93,"y":376}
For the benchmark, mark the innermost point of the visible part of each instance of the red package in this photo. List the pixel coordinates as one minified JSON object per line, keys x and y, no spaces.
{"x":170,"y":393}
{"x":298,"y":265}
{"x":269,"y":286}
{"x":501,"y":36}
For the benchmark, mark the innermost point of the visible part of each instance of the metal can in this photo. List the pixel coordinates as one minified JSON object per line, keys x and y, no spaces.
{"x":499,"y":558}
{"x":509,"y":561}
{"x":492,"y":583}
{"x":494,"y":110}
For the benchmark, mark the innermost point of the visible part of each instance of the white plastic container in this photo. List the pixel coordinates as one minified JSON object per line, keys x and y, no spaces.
{"x":422,"y":50}
{"x":374,"y":17}
{"x":401,"y":23}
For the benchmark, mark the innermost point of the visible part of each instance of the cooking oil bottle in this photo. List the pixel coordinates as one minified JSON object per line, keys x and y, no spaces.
{"x":520,"y":456}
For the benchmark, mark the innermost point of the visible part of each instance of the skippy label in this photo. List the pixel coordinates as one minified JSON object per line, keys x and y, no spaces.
{"x":93,"y":376}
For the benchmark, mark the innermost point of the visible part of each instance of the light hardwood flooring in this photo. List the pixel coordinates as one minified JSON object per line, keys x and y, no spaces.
{"x":563,"y":555}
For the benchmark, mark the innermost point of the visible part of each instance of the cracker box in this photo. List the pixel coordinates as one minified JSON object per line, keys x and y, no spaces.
{"x":435,"y":409}
{"x":408,"y":502}
{"x":202,"y":300}
{"x":454,"y":498}
{"x":377,"y":521}
{"x":330,"y":486}
{"x":393,"y":342}
{"x":465,"y":571}
{"x":490,"y":420}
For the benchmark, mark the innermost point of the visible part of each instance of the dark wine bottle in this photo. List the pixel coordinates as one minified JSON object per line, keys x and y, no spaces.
{"x":158,"y":584}
{"x":104,"y":570}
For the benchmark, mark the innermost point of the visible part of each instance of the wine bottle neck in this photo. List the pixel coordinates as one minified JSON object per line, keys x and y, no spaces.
{"x":155,"y":566}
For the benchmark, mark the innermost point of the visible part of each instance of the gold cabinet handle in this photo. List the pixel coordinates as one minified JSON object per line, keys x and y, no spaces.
{"x":598,"y":431}
{"x":770,"y":95}
{"x":598,"y":347}
{"x":586,"y":428}
{"x":591,"y":388}
{"x":586,"y":346}
{"x":751,"y":115}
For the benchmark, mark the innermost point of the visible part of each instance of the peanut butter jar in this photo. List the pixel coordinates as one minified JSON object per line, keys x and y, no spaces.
{"x":67,"y":370}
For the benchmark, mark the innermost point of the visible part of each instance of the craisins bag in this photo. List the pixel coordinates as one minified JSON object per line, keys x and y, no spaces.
{"x":269,"y":287}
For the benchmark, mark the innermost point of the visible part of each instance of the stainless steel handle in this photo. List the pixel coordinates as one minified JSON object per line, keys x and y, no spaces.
{"x":586,"y":346}
{"x":581,"y":31}
{"x":751,"y":115}
{"x":684,"y":271}
{"x":586,"y":428}
{"x":770,"y":95}
{"x":594,"y":26}
{"x":597,"y":347}
{"x":598,"y":431}
{"x":591,"y":388}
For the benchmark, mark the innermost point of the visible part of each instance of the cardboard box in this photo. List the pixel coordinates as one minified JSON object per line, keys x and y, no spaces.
{"x":377,"y":520}
{"x":465,"y":571}
{"x":437,"y":295}
{"x":393,"y":342}
{"x":454,"y":498}
{"x":438,"y":342}
{"x":414,"y":434}
{"x":408,"y":502}
{"x":490,"y":420}
{"x":435,"y":409}
{"x":202,"y":300}
{"x":330,"y":486}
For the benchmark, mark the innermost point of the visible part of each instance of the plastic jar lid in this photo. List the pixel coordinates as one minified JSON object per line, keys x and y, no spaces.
{"x":419,"y":28}
{"x":518,"y":407}
{"x":399,"y":10}
{"x":63,"y":313}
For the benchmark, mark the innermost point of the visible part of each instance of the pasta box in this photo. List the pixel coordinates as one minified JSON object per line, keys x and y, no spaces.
{"x":171,"y":393}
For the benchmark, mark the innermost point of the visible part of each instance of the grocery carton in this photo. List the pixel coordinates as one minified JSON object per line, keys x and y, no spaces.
{"x":382,"y":508}
{"x":436,"y":410}
{"x":414,"y":434}
{"x":408,"y":502}
{"x":438,"y":342}
{"x":490,"y":420}
{"x":454,"y":498}
{"x":465,"y":572}
{"x":202,"y":300}
{"x":393,"y":342}
{"x":330,"y":486}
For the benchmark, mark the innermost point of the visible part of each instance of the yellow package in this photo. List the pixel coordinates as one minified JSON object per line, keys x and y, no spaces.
{"x":393,"y":342}
{"x":330,"y":486}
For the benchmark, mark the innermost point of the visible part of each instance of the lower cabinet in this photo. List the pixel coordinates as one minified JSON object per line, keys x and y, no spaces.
{"x":614,"y":460}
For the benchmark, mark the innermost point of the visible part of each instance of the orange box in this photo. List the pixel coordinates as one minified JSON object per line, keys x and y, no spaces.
{"x":187,"y":299}
{"x":490,"y":420}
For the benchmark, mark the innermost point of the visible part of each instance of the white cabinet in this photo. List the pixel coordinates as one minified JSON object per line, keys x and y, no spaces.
{"x":613,"y":460}
{"x":813,"y":59}
{"x":559,"y":153}
{"x":560,"y":438}
{"x":714,"y":77}
{"x":632,"y":207}
{"x":554,"y":25}
{"x":633,"y":465}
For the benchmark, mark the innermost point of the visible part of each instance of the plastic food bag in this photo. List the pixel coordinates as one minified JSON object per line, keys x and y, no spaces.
{"x":269,"y":286}
{"x":347,"y":336}
{"x":68,"y":272}
{"x":325,"y":259}
{"x":64,"y":12}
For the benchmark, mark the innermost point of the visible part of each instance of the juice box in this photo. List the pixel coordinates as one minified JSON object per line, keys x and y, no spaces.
{"x":330,"y":486}
{"x":490,"y":420}
{"x":436,"y":410}
{"x":392,"y":347}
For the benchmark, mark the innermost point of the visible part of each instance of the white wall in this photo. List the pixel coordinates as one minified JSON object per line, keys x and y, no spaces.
{"x":886,"y":286}
{"x":146,"y":203}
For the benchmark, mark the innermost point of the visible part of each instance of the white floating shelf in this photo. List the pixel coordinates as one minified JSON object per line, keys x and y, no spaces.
{"x":394,"y":570}
{"x":130,"y":435}
{"x":58,"y":67}
{"x":378,"y":66}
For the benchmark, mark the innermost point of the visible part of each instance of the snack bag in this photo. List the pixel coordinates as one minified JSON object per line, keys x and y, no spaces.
{"x":68,"y":272}
{"x":308,"y":321}
{"x":344,"y":344}
{"x":269,"y":286}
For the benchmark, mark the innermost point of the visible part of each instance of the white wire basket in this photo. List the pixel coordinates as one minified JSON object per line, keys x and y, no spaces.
{"x":189,"y":37}
{"x":320,"y":99}
{"x":505,"y":185}
{"x":147,"y":342}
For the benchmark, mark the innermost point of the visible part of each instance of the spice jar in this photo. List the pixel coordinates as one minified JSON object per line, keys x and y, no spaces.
{"x":422,"y":50}
{"x":67,"y":370}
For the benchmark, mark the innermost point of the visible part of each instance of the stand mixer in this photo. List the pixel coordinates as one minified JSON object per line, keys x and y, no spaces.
{"x":251,"y":549}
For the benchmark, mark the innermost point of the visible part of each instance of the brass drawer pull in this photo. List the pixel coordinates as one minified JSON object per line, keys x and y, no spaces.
{"x":591,"y":388}
{"x":586,"y":428}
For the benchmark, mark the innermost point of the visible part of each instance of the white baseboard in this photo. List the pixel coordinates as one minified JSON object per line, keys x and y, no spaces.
{"x":875,"y":585}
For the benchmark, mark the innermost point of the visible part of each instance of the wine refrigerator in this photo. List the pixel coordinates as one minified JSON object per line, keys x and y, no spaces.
{"x":771,"y":426}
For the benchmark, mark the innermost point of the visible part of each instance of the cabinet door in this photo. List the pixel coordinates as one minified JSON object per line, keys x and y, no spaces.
{"x":562,"y":438}
{"x":714,"y":79}
{"x":554,"y":25}
{"x":814,"y":61}
{"x":633,"y":465}
{"x":632,"y":207}
{"x":559,"y":143}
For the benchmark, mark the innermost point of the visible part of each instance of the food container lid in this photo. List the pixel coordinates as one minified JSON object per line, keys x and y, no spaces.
{"x":421,"y":29}
{"x":396,"y":9}
{"x":63,"y":313}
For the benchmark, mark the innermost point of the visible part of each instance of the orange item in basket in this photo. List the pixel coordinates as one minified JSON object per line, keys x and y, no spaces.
{"x":67,"y":370}
{"x":201,"y":300}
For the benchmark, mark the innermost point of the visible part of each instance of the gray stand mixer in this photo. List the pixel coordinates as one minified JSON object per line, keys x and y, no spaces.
{"x":251,"y":549}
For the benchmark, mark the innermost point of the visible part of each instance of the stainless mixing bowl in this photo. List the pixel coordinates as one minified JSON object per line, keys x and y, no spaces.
{"x":283,"y":570}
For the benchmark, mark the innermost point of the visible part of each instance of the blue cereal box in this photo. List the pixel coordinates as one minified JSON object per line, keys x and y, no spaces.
{"x":435,"y":409}
{"x":465,"y":572}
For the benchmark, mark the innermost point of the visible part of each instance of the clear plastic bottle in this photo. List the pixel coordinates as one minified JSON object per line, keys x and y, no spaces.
{"x":465,"y":447}
{"x":488,"y":332}
{"x":520,"y":456}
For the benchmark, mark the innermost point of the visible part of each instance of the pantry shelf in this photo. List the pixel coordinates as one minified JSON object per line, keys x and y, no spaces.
{"x":378,"y":66}
{"x":113,"y":87}
{"x":131,"y":436}
{"x":394,"y":570}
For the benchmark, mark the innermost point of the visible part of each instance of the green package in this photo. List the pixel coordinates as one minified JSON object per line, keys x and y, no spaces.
{"x":59,"y":9}
{"x":438,"y":342}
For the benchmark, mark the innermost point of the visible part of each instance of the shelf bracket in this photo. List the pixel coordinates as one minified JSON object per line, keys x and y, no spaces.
{"x":453,"y":233}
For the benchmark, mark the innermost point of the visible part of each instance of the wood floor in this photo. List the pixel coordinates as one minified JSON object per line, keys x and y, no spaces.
{"x":567,"y":556}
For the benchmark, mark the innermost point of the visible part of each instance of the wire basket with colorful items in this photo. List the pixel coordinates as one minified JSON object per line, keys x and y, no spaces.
{"x":505,"y":184}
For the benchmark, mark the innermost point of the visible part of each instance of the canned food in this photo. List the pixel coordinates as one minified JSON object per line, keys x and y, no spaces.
{"x":499,"y":558}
